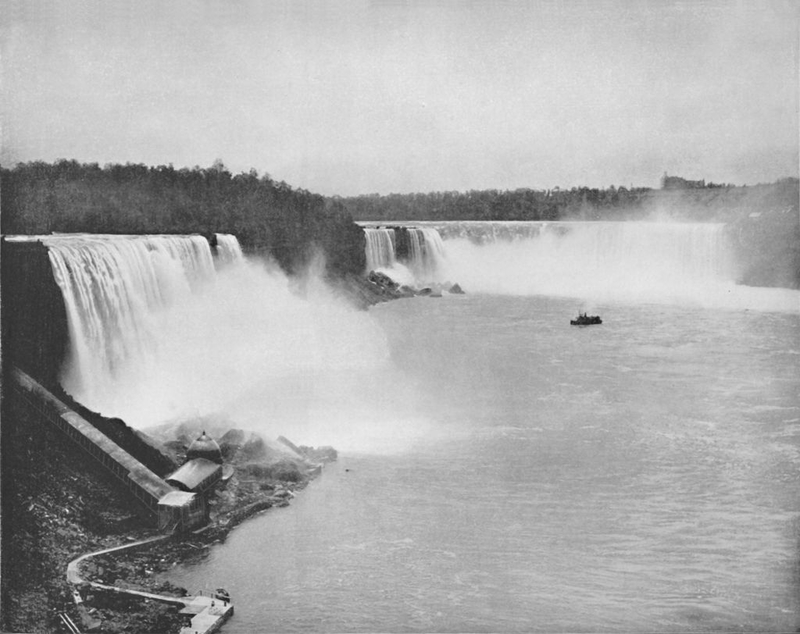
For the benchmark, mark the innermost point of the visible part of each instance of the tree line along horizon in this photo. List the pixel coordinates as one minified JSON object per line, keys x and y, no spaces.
{"x":292,"y":224}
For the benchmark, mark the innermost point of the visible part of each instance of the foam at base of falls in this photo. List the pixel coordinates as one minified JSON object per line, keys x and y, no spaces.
{"x":254,"y":349}
{"x":581,"y":258}
{"x":159,"y":334}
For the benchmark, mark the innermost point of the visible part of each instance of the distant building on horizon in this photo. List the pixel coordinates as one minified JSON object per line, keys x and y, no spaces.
{"x":676,"y":182}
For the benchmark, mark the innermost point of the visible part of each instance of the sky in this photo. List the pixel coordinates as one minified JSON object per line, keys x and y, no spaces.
{"x":354,"y":97}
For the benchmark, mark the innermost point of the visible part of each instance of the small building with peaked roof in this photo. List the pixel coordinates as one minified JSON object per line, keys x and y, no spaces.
{"x":201,"y":472}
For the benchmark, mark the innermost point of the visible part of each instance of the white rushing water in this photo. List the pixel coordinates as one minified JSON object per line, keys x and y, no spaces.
{"x":661,"y":262}
{"x":228,"y":249}
{"x":112,"y":285}
{"x":422,"y":261}
{"x":161,"y":330}
{"x":380,"y":248}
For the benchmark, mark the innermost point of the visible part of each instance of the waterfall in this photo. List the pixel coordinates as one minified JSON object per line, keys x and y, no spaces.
{"x":484,"y":232}
{"x":426,"y":253}
{"x":411,"y":255}
{"x":630,"y":261}
{"x":161,"y":330}
{"x":380,"y":248}
{"x":228,"y":249}
{"x":114,"y":288}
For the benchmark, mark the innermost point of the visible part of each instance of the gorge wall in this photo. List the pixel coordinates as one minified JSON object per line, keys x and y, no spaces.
{"x":34,"y":320}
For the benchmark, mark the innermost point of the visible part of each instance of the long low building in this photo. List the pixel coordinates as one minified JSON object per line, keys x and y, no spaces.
{"x":173,"y":509}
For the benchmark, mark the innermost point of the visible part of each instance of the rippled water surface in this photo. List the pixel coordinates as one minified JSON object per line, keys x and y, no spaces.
{"x":641,"y":475}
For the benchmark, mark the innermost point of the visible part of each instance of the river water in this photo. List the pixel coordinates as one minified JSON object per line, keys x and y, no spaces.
{"x":640,"y":475}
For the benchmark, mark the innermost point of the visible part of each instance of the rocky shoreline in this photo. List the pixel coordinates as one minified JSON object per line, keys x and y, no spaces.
{"x":58,"y":505}
{"x":378,"y":287}
{"x":143,"y":569}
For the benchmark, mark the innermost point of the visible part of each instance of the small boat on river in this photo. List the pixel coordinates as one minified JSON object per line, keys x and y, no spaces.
{"x":586,"y":320}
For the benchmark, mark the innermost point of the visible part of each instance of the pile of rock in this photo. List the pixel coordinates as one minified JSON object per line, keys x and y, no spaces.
{"x":387,"y":287}
{"x":257,"y":473}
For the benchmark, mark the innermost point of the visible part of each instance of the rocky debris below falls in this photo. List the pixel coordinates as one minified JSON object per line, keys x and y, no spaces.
{"x":378,"y":287}
{"x":265,"y":473}
{"x":388,"y":286}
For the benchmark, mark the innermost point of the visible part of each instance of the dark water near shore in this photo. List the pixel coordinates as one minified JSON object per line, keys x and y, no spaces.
{"x":642,"y":475}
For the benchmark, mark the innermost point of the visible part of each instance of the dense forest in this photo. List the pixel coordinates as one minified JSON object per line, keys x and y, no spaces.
{"x":493,"y":204}
{"x":267,"y":216}
{"x":689,"y":202}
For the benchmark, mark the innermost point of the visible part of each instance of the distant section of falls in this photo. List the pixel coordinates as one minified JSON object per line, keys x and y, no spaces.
{"x":656,"y":253}
{"x":412,"y":254}
{"x":663,"y":262}
{"x":114,"y":288}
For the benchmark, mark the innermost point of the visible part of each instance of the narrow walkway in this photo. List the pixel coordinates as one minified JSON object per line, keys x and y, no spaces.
{"x":75,"y":578}
{"x":207,"y":613}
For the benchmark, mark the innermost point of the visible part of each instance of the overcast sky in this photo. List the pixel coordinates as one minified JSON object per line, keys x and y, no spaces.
{"x":356,"y":97}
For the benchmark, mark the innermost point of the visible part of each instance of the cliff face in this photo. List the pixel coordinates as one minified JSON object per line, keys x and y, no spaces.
{"x":35,"y":335}
{"x":34,"y":320}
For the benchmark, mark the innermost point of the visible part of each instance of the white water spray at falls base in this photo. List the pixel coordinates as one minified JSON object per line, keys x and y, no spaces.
{"x":159,"y":335}
{"x":596,"y":262}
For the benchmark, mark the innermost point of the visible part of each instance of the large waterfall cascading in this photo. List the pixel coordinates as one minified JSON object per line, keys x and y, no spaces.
{"x":161,"y":330}
{"x":114,"y":287}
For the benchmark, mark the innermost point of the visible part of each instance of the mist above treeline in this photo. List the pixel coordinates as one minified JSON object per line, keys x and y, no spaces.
{"x":292,"y":225}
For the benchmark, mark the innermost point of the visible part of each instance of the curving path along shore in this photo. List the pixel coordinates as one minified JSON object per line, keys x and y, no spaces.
{"x":207,"y":613}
